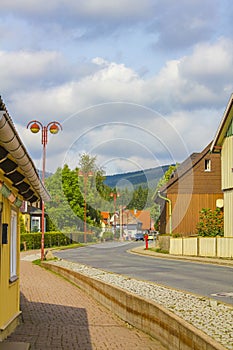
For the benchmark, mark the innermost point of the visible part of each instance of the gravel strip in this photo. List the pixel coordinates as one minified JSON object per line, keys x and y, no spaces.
{"x":210,"y":316}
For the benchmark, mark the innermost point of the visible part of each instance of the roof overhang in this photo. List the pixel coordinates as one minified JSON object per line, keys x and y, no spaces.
{"x":16,"y":164}
{"x":223,"y":127}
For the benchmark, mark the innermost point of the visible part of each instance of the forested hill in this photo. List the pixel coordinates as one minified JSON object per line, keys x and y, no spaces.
{"x":144,"y":178}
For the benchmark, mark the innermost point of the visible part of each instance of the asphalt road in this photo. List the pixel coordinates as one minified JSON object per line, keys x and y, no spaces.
{"x":202,"y":279}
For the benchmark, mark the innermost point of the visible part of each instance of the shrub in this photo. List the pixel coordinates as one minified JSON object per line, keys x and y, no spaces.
{"x":211,"y":223}
{"x":107,"y":236}
{"x":53,"y":239}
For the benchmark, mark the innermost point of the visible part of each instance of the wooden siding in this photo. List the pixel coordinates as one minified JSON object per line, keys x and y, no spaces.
{"x":9,"y":291}
{"x":197,"y":180}
{"x":228,"y":213}
{"x":227,"y":163}
{"x":186,"y":211}
{"x":196,"y":189}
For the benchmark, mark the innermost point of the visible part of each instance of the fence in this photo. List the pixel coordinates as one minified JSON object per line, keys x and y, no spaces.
{"x":218,"y":247}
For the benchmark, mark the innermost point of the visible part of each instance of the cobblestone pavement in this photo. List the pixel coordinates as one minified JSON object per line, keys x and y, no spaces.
{"x":58,"y":315}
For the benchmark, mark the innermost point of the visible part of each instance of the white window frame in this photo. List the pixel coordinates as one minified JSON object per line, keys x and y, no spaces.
{"x":207,"y":164}
{"x":35,"y":223}
{"x":13,"y":246}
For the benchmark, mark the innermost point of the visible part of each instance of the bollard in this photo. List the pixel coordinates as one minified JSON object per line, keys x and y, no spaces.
{"x":146,"y":240}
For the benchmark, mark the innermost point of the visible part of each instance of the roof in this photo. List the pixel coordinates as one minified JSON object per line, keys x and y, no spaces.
{"x":184,"y":167}
{"x":223,"y":127}
{"x":144,"y":217}
{"x":105,"y":214}
{"x":128,"y":218}
{"x":15,"y":162}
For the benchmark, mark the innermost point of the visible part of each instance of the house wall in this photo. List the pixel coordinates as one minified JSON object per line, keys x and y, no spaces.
{"x":195,"y":190}
{"x":26,"y":221}
{"x":198,"y":180}
{"x":9,"y":290}
{"x":227,"y":163}
{"x":227,"y":184}
{"x":228,"y":213}
{"x":186,"y":211}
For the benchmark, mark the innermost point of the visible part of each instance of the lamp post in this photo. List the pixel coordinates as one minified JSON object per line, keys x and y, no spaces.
{"x":115,"y":196}
{"x":85,"y":177}
{"x":35,"y":127}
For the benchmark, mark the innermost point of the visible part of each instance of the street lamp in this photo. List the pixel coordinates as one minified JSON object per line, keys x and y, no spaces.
{"x":114,"y":195}
{"x":35,"y":127}
{"x":85,"y":177}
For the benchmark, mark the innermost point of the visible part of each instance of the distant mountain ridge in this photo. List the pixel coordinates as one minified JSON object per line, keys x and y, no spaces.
{"x":145,"y":178}
{"x":47,"y":173}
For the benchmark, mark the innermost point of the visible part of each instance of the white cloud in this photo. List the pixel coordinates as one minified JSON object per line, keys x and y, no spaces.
{"x":90,"y":85}
{"x":25,"y":70}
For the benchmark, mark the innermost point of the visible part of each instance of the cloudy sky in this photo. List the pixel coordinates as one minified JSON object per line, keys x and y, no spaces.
{"x":136,"y":83}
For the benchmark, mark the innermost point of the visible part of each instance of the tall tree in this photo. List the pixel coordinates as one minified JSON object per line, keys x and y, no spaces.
{"x":59,"y":209}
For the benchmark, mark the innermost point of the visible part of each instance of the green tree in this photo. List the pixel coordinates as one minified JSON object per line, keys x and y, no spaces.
{"x":91,"y":184}
{"x":155,"y":214}
{"x":61,"y":216}
{"x":166,"y":177}
{"x":139,"y":199}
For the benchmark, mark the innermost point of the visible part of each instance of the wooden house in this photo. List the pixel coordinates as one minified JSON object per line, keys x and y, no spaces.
{"x":223,"y":145}
{"x":196,"y":184}
{"x":18,"y":181}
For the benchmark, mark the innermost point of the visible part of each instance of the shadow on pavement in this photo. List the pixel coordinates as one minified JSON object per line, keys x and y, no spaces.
{"x":52,"y":326}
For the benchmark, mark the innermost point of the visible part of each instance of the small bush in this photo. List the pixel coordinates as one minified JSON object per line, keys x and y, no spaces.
{"x":211,"y":223}
{"x":107,"y":236}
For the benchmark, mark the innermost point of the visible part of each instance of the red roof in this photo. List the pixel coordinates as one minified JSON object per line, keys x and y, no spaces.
{"x":144,"y":217}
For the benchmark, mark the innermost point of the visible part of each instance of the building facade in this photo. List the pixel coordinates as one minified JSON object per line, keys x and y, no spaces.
{"x":18,"y":181}
{"x":196,"y":184}
{"x":223,"y":145}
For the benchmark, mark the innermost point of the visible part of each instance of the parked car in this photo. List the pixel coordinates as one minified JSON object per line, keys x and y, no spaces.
{"x":152,"y":235}
{"x":139,"y":236}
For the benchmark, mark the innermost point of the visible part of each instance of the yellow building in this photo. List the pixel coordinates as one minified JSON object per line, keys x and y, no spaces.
{"x":223,"y":143}
{"x":18,"y":181}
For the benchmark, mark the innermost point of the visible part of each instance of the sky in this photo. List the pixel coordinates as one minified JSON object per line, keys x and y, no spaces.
{"x":137,"y":84}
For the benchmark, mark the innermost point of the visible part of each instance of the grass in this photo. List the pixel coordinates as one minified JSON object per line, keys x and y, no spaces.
{"x":37,"y":262}
{"x":69,"y":246}
{"x":159,"y":250}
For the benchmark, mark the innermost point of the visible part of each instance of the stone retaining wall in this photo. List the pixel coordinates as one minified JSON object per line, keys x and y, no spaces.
{"x":173,"y":332}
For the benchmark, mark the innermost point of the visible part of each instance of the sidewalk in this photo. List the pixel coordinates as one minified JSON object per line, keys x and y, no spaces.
{"x":217,"y":261}
{"x":58,"y":315}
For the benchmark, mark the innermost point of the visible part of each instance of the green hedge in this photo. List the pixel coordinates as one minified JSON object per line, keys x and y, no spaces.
{"x":52,"y":239}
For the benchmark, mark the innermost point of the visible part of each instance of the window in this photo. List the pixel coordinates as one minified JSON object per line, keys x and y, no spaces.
{"x":35,"y":224}
{"x":13,"y":246}
{"x":207,"y":165}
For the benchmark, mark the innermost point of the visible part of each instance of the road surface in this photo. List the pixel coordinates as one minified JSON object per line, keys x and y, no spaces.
{"x":203,"y":279}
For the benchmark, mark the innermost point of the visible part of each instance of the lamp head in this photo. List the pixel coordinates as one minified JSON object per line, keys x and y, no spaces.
{"x":35,"y":128}
{"x":54,"y":128}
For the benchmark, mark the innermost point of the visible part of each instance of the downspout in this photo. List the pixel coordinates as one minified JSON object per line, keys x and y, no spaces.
{"x":169,"y":210}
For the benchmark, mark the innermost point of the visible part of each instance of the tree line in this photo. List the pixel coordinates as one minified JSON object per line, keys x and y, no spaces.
{"x":83,"y":188}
